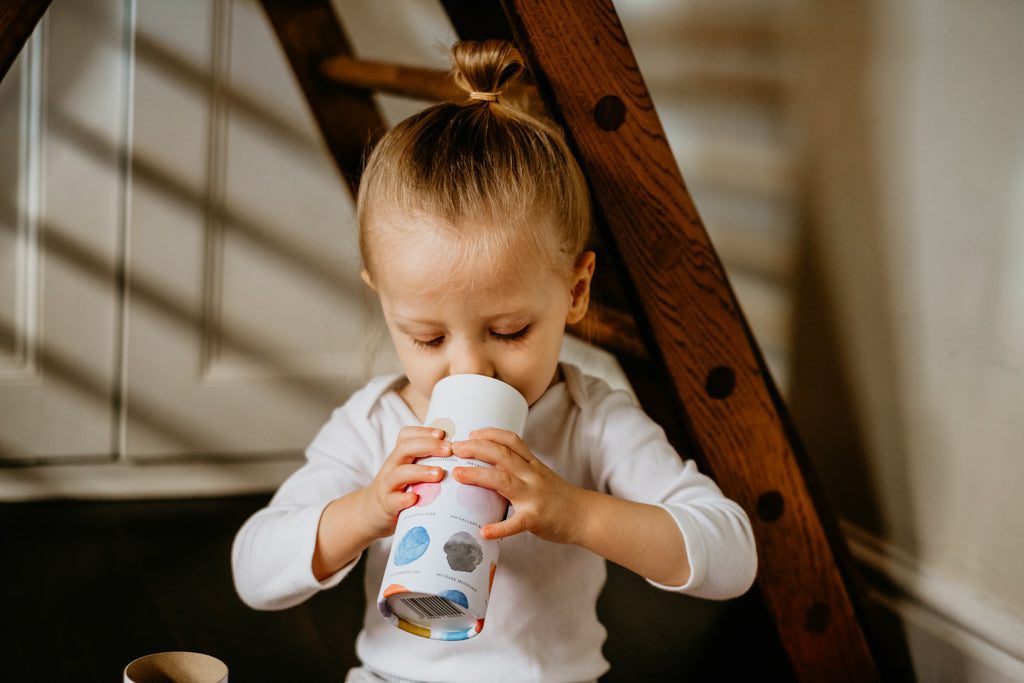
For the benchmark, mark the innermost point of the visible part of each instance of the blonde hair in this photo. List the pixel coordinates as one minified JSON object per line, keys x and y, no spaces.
{"x":486,"y":170}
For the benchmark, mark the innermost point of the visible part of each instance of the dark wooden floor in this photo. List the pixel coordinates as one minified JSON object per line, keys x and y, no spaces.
{"x":87,"y":587}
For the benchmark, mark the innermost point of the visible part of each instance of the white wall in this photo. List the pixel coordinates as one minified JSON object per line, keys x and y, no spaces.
{"x":915,"y":280}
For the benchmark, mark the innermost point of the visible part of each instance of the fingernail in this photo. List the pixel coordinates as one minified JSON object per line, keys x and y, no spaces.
{"x":435,"y":471}
{"x":438,"y":433}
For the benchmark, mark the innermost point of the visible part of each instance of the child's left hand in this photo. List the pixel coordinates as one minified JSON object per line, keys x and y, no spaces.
{"x":544,"y":503}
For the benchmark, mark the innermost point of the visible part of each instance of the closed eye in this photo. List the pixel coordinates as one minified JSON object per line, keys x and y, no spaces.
{"x":436,"y":341}
{"x":429,"y":344}
{"x":513,"y":336}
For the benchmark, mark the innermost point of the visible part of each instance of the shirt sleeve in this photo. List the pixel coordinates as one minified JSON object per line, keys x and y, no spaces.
{"x":632,"y":459}
{"x":272,"y":554}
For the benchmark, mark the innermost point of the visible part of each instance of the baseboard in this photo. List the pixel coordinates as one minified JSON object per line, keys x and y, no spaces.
{"x":129,"y":480}
{"x":953,"y":633}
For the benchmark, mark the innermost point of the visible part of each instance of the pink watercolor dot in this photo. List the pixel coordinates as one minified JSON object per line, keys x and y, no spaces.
{"x":480,"y":501}
{"x":426,"y":492}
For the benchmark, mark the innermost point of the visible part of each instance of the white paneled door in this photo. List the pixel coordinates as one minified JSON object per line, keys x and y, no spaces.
{"x":247,"y":321}
{"x":61,"y":137}
{"x":170,"y":140}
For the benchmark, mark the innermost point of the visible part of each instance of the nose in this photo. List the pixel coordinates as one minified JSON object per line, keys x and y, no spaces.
{"x":469,"y":357}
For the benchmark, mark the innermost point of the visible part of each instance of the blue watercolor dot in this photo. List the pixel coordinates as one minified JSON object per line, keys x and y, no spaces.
{"x":458,"y":597}
{"x":412,"y":546}
{"x":453,"y":635}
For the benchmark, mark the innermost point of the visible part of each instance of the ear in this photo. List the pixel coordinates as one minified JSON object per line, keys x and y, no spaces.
{"x":583,"y":272}
{"x":366,"y":278}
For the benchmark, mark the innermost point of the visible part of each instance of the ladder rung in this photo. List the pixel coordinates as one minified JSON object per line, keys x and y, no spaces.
{"x":396,"y":79}
{"x":416,"y":82}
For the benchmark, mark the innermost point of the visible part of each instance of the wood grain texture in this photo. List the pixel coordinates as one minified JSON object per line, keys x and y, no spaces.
{"x":611,"y":329}
{"x":18,"y":18}
{"x":585,"y":69}
{"x":309,"y":32}
{"x":396,"y":79}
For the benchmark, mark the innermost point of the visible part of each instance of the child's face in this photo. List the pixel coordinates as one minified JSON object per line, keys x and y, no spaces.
{"x":448,"y":317}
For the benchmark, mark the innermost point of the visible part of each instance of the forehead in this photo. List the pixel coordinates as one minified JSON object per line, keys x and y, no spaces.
{"x":428,"y":272}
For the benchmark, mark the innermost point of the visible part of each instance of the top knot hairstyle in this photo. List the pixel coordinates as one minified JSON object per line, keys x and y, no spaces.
{"x":485,"y":170}
{"x":485,"y":69}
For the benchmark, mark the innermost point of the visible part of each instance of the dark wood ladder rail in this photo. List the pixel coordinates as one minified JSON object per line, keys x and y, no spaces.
{"x":665,"y":306}
{"x":18,"y":18}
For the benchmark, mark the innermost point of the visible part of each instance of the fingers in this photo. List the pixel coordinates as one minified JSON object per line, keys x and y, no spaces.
{"x":489,"y":478}
{"x":398,"y":472}
{"x":509,"y":440}
{"x":411,"y":431}
{"x":503,"y":484}
{"x":394,"y":497}
{"x":493,"y":453}
{"x":405,"y":475}
{"x":510,"y":527}
{"x":397,"y":501}
{"x":411,"y":447}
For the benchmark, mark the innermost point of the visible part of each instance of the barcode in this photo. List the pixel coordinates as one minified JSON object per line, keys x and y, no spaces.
{"x":432,"y":607}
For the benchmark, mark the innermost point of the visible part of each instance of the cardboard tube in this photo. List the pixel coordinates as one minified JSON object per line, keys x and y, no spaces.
{"x":176,"y":667}
{"x":437,"y":582}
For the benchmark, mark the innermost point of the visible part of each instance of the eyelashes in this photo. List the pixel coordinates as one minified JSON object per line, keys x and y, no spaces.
{"x":432,"y":344}
{"x":512,"y":337}
{"x":437,"y":341}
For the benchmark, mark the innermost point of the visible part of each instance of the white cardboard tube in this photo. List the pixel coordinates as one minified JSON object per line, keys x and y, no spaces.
{"x":437,"y":582}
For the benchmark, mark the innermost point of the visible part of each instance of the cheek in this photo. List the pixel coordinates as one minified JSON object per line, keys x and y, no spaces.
{"x":403,"y":344}
{"x":418,"y":365}
{"x":531,"y":370}
{"x":417,"y":362}
{"x":424,"y":370}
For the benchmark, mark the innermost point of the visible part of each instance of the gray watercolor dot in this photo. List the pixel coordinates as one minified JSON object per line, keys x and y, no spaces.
{"x":464,"y":553}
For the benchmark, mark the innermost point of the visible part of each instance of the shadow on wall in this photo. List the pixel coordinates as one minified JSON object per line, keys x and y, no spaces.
{"x":61,"y":242}
{"x":842,"y":278}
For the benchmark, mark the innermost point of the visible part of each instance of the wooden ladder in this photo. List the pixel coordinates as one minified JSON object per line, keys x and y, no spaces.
{"x":665,"y":306}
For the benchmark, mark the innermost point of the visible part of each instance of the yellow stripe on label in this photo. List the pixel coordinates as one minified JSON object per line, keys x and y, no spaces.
{"x":413,"y":628}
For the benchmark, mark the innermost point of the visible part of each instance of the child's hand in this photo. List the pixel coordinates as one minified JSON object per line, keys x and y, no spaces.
{"x":544,"y":503}
{"x":385,"y":497}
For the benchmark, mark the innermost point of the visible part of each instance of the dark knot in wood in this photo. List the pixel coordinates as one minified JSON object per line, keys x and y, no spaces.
{"x":720,"y":382}
{"x":609,"y":113}
{"x":816,"y":618}
{"x":770,"y":505}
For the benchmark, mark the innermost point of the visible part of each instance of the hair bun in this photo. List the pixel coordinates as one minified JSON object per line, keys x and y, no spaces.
{"x":486,"y":68}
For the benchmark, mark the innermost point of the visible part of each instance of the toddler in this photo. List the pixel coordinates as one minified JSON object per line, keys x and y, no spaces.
{"x":474,"y":220}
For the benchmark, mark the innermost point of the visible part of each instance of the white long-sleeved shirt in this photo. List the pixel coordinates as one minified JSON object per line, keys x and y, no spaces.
{"x":541,"y":621}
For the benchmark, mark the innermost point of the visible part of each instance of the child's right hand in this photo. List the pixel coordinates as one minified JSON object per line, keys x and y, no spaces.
{"x":386,"y":496}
